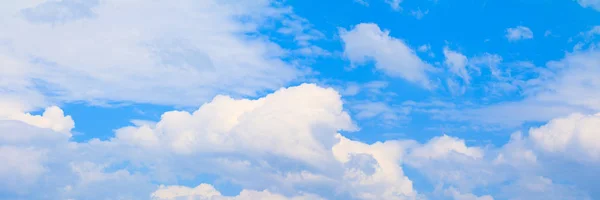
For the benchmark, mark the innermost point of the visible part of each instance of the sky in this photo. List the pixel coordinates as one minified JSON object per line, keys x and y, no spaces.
{"x":293,"y":100}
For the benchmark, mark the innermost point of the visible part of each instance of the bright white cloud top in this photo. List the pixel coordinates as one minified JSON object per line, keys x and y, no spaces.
{"x":281,"y":100}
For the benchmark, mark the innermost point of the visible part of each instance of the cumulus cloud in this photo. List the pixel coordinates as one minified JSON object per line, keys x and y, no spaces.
{"x":215,"y":139}
{"x":382,"y":177}
{"x":226,"y":124}
{"x":52,"y":118}
{"x":519,"y":33}
{"x":512,"y":171}
{"x":285,"y":145}
{"x":147,"y":52}
{"x":366,"y":42}
{"x":442,"y":146}
{"x":576,"y":134}
{"x":244,"y":141}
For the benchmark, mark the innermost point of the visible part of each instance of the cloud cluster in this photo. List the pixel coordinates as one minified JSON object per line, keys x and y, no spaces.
{"x":98,"y":51}
{"x":293,"y":143}
{"x":285,"y":145}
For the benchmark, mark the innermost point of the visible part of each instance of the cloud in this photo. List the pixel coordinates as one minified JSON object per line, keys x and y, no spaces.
{"x":595,"y":4}
{"x":395,"y":4}
{"x":287,"y":145}
{"x":362,"y":2}
{"x":540,"y":187}
{"x":393,"y":56}
{"x":419,"y":14}
{"x":246,"y":142}
{"x":52,"y":118}
{"x":206,"y":191}
{"x":558,"y":89}
{"x":572,"y":135}
{"x":516,"y":170}
{"x":457,"y":64}
{"x":225,"y":125}
{"x":385,"y":180}
{"x":60,"y":11}
{"x":424,"y":48}
{"x":519,"y":33}
{"x":381,"y":111}
{"x":22,"y":167}
{"x":113,"y":52}
{"x":456,"y":195}
{"x":442,"y":146}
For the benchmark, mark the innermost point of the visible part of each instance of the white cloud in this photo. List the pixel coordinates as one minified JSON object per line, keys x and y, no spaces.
{"x":244,"y":141}
{"x":381,"y":111}
{"x":562,"y":87}
{"x":382,"y":178}
{"x":419,"y":14}
{"x":456,"y":195}
{"x":576,"y":134}
{"x":539,"y":187}
{"x":362,"y":2}
{"x":424,"y":48}
{"x":395,"y":4}
{"x":457,"y":64}
{"x":393,"y":56}
{"x":208,"y":192}
{"x":145,"y":51}
{"x":514,"y":170}
{"x":226,"y":124}
{"x":519,"y":33}
{"x":21,"y":168}
{"x":593,"y":31}
{"x":247,"y":142}
{"x":443,"y":146}
{"x":52,"y":118}
{"x":595,"y":4}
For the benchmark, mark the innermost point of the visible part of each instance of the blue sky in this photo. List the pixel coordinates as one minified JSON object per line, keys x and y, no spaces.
{"x":339,"y":99}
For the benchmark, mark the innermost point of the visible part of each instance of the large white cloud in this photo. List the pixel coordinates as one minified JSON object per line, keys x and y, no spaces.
{"x":285,"y":145}
{"x":285,"y":142}
{"x":143,"y":51}
{"x":577,"y":136}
